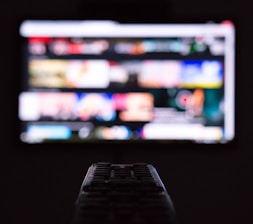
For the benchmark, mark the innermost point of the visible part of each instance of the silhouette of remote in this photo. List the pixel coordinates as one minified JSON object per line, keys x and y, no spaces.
{"x":123,"y":194}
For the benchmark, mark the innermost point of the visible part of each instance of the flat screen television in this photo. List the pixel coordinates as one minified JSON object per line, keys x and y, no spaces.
{"x":105,"y":81}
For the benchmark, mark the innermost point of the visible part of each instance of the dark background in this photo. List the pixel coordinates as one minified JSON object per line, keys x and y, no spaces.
{"x":208,"y":184}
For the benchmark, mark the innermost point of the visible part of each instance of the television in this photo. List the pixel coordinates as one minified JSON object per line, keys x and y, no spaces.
{"x":105,"y":81}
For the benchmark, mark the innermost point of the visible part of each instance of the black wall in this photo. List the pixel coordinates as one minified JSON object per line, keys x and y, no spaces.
{"x":208,"y":184}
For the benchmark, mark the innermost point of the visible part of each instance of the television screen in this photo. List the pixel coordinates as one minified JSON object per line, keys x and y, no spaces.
{"x":90,"y":81}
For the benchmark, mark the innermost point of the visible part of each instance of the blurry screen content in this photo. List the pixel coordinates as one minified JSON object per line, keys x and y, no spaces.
{"x":102,"y":80}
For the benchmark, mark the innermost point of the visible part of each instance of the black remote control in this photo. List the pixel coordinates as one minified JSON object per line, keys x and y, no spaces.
{"x":123,"y":194}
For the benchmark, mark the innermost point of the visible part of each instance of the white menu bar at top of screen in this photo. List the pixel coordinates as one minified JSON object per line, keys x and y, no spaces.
{"x":104,"y":28}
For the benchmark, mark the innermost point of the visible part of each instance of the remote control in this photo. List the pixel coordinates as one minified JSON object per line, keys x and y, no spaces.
{"x":123,"y":194}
